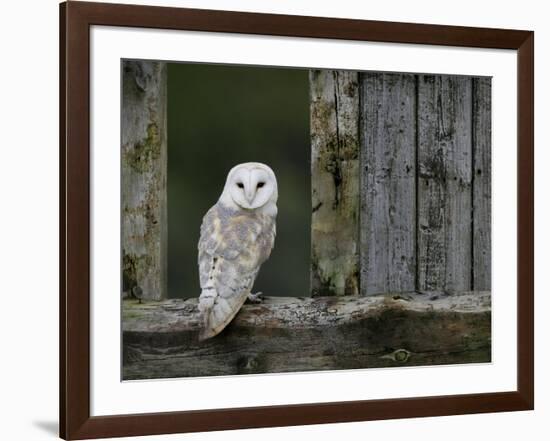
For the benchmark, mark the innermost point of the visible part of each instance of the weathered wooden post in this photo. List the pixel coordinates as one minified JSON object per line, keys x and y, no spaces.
{"x":144,"y":166}
{"x":334,"y":109}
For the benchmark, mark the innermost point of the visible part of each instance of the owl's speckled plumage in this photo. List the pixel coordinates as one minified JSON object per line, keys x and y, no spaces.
{"x":237,"y":236}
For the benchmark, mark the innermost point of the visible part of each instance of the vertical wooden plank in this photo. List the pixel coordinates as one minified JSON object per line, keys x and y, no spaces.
{"x":388,"y":183}
{"x":444,"y":193}
{"x":482,"y":184}
{"x":144,"y":168}
{"x":334,"y":112}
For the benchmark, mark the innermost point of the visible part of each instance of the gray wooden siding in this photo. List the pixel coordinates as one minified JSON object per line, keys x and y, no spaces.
{"x":388,"y":205}
{"x":482,"y":183}
{"x":444,"y":182}
{"x":424,"y":178}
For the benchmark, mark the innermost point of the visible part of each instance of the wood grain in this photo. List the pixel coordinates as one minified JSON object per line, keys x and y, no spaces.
{"x":444,"y":194}
{"x":388,"y":183}
{"x":334,"y":119}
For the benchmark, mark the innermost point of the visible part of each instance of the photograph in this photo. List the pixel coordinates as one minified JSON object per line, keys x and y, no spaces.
{"x":287,"y":220}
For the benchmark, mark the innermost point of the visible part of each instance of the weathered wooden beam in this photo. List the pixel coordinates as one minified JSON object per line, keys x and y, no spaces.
{"x":144,"y":168}
{"x":481,"y":184}
{"x":388,"y":183}
{"x":334,"y":115}
{"x":160,"y":339}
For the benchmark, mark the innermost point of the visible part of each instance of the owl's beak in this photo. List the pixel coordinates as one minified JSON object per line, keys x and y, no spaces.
{"x":249,"y":196}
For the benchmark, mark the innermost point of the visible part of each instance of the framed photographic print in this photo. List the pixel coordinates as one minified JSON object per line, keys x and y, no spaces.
{"x":274,"y":220}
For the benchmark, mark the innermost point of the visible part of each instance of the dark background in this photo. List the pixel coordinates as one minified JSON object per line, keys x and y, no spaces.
{"x":220,"y":116}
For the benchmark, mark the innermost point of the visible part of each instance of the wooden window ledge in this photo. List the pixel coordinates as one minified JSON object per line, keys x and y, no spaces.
{"x":290,"y":334}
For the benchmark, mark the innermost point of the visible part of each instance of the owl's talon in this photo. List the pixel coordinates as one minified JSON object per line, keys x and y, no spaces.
{"x":255,"y":298}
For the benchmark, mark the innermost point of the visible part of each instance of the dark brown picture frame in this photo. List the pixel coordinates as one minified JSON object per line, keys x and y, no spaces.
{"x":75,"y":21}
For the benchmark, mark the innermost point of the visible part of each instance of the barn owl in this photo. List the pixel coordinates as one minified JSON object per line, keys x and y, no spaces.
{"x":237,"y":236}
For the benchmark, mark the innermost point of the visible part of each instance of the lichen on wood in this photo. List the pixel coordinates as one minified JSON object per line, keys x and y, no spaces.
{"x":334,"y":116}
{"x":143,"y":163}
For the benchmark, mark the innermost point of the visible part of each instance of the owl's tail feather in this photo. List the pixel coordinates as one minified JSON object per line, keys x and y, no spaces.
{"x":206,"y":303}
{"x":218,"y":311}
{"x":206,"y":330}
{"x":206,"y":333}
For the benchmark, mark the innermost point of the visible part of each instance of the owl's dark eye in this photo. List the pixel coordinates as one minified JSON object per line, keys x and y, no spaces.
{"x":260,"y":184}
{"x":240,"y":185}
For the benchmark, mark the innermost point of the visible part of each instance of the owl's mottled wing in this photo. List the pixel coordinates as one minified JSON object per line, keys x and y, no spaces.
{"x":232,"y":247}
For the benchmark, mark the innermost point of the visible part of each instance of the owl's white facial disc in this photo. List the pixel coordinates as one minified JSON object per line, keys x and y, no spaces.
{"x":251,"y":185}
